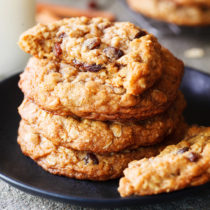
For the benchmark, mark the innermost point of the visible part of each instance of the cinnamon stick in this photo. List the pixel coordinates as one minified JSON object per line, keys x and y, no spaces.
{"x":65,"y":11}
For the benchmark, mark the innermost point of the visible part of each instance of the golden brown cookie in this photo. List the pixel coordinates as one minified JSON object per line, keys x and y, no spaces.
{"x":63,"y":90}
{"x":176,"y":167}
{"x":118,"y":54}
{"x":180,"y":12}
{"x":193,"y":2}
{"x":101,"y":137}
{"x":77,"y":164}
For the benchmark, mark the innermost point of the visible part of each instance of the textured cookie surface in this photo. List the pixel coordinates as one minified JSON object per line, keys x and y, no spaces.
{"x":176,"y":167}
{"x":118,"y":53}
{"x":101,"y":137}
{"x":193,"y":2}
{"x":63,"y":90}
{"x":76,"y":164}
{"x":181,"y":12}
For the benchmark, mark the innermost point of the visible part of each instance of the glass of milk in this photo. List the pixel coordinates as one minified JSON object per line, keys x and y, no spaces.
{"x":16,"y":16}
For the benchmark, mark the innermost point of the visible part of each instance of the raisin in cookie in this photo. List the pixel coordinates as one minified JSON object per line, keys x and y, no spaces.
{"x":62,"y":89}
{"x":80,"y":164}
{"x":180,"y":12}
{"x":76,"y":164}
{"x":176,"y":167}
{"x":101,"y":137}
{"x":125,"y":56}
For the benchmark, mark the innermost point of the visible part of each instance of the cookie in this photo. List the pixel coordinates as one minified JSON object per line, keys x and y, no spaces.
{"x":77,"y":164}
{"x":101,"y":137}
{"x":176,"y":167}
{"x":63,"y":90}
{"x":118,"y":54}
{"x":193,"y":2}
{"x":180,"y":12}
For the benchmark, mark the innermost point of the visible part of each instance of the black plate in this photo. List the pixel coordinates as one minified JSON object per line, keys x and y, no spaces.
{"x":23,"y":173}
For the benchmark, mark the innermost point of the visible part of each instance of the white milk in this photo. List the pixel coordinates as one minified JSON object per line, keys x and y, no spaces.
{"x":16,"y":16}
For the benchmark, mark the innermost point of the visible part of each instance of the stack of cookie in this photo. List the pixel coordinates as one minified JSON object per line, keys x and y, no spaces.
{"x":180,"y":12}
{"x":98,"y":94}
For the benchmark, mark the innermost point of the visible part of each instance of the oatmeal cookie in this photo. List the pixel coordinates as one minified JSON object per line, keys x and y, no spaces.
{"x":180,"y":12}
{"x":101,"y":137}
{"x":193,"y":2}
{"x":176,"y":167}
{"x":63,"y":90}
{"x":80,"y":164}
{"x":119,"y":54}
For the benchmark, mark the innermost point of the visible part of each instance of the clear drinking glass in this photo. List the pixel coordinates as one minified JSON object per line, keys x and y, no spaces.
{"x":16,"y":16}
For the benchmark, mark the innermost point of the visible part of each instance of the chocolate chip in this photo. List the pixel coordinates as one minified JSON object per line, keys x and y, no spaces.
{"x":140,"y":34}
{"x":113,"y":53}
{"x":182,"y":150}
{"x":92,"y":43}
{"x":87,"y":67}
{"x":193,"y":157}
{"x":91,"y":156}
{"x":57,"y":49}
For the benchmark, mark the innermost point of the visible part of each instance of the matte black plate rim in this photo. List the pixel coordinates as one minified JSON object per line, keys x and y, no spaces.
{"x":129,"y":201}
